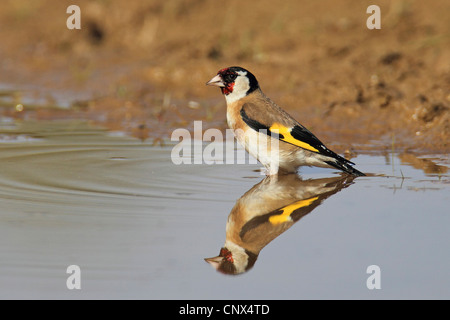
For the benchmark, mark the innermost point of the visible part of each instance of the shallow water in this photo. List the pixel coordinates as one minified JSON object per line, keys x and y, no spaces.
{"x":139,"y":226}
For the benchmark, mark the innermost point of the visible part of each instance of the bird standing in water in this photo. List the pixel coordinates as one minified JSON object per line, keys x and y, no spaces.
{"x":268,"y":132}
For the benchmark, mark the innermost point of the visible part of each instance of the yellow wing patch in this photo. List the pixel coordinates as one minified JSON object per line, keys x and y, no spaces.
{"x":287,"y":211}
{"x":286,"y":132}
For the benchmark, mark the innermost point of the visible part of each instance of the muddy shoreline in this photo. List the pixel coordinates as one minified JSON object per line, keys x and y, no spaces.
{"x":141,"y":68}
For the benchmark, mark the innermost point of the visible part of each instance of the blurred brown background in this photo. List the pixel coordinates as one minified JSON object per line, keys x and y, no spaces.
{"x":141,"y":66}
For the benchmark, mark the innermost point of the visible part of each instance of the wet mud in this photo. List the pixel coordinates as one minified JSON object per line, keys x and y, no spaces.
{"x":141,"y":67}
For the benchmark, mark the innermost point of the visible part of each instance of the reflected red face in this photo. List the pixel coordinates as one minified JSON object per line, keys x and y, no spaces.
{"x":225,"y":253}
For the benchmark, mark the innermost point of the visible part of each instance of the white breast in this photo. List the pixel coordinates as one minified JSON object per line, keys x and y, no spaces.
{"x":260,"y":146}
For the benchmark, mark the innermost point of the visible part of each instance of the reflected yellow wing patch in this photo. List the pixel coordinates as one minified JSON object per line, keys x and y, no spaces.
{"x":287,"y":137}
{"x":287,"y":211}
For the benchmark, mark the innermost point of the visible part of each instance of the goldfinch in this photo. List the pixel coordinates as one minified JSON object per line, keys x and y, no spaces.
{"x":268,"y":132}
{"x":266,"y":211}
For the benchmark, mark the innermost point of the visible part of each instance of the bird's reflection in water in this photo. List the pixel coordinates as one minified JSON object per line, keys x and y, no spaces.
{"x":266,"y":211}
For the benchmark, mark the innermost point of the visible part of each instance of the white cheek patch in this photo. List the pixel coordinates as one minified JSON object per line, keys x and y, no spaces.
{"x":240,"y":88}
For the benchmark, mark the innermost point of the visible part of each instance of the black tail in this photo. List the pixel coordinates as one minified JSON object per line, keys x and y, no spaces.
{"x":346,"y":167}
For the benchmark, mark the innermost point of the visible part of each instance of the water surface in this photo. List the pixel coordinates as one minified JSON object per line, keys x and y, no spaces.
{"x":139,"y":226}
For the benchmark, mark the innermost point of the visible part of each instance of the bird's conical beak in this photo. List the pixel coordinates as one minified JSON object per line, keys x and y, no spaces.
{"x":216,"y":81}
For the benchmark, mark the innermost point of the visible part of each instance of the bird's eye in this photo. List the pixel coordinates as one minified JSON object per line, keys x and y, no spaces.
{"x":231,"y":77}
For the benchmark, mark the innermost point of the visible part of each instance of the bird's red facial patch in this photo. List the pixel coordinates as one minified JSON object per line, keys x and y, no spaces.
{"x":228,"y":76}
{"x":228,"y":88}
